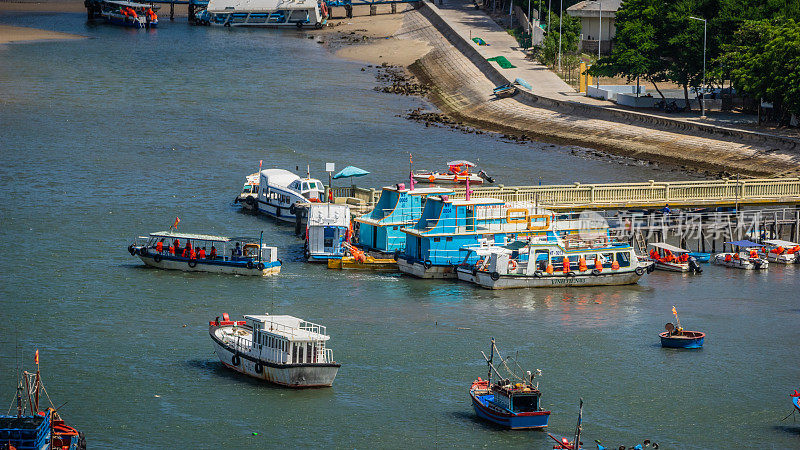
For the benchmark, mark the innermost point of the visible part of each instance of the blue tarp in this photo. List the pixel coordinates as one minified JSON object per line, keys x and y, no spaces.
{"x":744,"y":243}
{"x":350,"y":171}
{"x":523,"y":83}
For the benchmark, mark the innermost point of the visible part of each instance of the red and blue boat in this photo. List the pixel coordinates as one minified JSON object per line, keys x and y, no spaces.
{"x":510,"y":404}
{"x":796,"y":400}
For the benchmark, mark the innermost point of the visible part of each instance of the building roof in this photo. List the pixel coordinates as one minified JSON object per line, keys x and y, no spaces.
{"x":258,"y":5}
{"x":592,"y":8}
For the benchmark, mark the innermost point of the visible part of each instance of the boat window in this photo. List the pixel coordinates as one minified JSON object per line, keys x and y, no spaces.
{"x":294,"y":353}
{"x":525,"y":403}
{"x":299,"y":16}
{"x":624,"y":259}
{"x":305,"y":186}
{"x":607,"y":258}
{"x":300,"y":353}
{"x":436,"y":239}
{"x":308,"y":352}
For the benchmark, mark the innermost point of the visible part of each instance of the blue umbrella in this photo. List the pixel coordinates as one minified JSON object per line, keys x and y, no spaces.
{"x":349,"y":172}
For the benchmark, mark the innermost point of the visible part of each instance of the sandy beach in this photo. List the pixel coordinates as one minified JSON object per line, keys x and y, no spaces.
{"x":9,"y":34}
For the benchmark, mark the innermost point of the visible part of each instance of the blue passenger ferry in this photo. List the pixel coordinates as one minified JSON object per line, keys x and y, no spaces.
{"x":397,"y":207}
{"x":448,"y":228}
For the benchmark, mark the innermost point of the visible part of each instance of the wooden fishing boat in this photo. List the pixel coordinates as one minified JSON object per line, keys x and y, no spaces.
{"x":513,"y":405}
{"x":680,"y":338}
{"x":283,"y":350}
{"x":38,"y":428}
{"x":674,"y":259}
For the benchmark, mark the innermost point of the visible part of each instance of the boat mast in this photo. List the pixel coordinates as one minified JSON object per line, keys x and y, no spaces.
{"x":38,"y":383}
{"x":489,"y":362}
{"x":577,"y":442}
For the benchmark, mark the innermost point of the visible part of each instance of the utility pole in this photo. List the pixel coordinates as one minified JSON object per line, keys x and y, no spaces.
{"x":702,"y":88}
{"x":599,"y":37}
{"x":560,"y":15}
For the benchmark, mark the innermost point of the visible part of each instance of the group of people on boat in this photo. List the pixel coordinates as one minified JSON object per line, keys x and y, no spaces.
{"x":189,"y":251}
{"x":130,"y":13}
{"x":669,"y":257}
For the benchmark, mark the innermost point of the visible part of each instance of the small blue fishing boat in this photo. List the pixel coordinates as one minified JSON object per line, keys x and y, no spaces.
{"x":700,"y":256}
{"x":513,"y":405}
{"x":680,"y":338}
{"x":504,"y":90}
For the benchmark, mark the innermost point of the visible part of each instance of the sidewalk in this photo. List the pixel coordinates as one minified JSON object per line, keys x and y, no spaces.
{"x":470,"y":22}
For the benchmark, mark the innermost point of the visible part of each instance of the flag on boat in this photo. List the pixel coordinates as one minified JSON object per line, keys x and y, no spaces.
{"x":674,"y":311}
{"x":177,"y":221}
{"x":36,"y":358}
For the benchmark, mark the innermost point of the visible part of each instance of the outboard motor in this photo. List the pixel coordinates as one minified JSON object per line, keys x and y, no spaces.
{"x":486,"y":177}
{"x":694,"y":266}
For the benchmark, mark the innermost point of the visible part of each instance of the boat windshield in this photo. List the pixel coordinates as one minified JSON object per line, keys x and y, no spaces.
{"x":526,"y":403}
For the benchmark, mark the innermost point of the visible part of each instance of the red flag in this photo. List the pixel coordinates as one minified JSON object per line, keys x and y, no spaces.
{"x":177,"y":221}
{"x":260,"y":161}
{"x":36,"y":358}
{"x":410,"y":158}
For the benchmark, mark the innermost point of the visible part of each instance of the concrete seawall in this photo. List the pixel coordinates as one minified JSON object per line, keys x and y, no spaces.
{"x":462,"y":80}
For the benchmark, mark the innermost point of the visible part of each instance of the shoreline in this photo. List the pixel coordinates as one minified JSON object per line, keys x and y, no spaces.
{"x":10,"y":34}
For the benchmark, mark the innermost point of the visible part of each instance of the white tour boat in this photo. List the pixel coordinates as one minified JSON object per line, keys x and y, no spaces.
{"x":746,"y":258}
{"x":674,"y":259}
{"x":264,"y":13}
{"x":327,"y":231}
{"x":552,"y":261}
{"x":205,"y":253}
{"x":284,"y":350}
{"x":280,"y":189}
{"x":249,"y":196}
{"x":129,"y":14}
{"x":779,"y":251}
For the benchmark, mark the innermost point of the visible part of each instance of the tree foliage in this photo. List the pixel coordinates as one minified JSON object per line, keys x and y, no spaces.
{"x":764,"y":62}
{"x":570,"y":32}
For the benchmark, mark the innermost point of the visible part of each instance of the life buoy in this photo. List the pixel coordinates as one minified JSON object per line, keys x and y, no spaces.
{"x":250,"y":201}
{"x":495,"y":276}
{"x":317,"y":25}
{"x":427,"y":263}
{"x":537,"y":274}
{"x":193,"y":263}
{"x":236,"y":360}
{"x":299,"y":25}
{"x":250,"y":264}
{"x":280,"y":261}
{"x":293,"y":209}
{"x":651,"y":268}
{"x":512,"y":265}
{"x":157,"y":258}
{"x":639,"y":271}
{"x":259,"y":368}
{"x":570,"y":274}
{"x":596,"y":272}
{"x":131,"y":250}
{"x":260,"y":266}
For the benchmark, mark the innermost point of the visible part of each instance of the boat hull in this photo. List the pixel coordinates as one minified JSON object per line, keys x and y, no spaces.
{"x":175,"y":263}
{"x":741,"y":263}
{"x":419,"y":269}
{"x":796,"y":401}
{"x":349,"y":263}
{"x":694,"y":340}
{"x":289,"y":375}
{"x":484,"y":279}
{"x":282,"y":213}
{"x":783,"y":258}
{"x":507,"y":419}
{"x":122,"y":22}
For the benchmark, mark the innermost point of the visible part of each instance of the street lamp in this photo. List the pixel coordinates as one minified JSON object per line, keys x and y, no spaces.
{"x":703,"y":98}
{"x":599,"y":37}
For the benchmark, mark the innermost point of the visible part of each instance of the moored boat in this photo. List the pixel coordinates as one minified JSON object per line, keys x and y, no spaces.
{"x":397,"y":207}
{"x":674,"y":259}
{"x":206,"y":253}
{"x":283,"y":350}
{"x":248,"y":198}
{"x":457,"y":173}
{"x":677,"y":337}
{"x":701,"y":257}
{"x":264,"y":13}
{"x":552,"y":261}
{"x":129,"y":14}
{"x":360,"y":260}
{"x":780,"y":251}
{"x":280,"y":189}
{"x":796,"y":399}
{"x":327,"y":231}
{"x":38,"y":428}
{"x":510,"y":404}
{"x":504,"y":90}
{"x":747,"y":257}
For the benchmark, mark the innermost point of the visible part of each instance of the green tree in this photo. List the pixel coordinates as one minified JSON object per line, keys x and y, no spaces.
{"x":764,"y":62}
{"x":570,"y":32}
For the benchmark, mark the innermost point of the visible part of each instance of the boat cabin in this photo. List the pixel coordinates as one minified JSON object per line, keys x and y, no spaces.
{"x":289,"y":340}
{"x":518,"y":397}
{"x":280,"y":189}
{"x":327,"y":231}
{"x":397,"y":207}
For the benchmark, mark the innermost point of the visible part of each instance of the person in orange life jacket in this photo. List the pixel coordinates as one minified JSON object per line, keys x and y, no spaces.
{"x":177,"y":244}
{"x":213,"y":252}
{"x":202,"y":253}
{"x":185,"y":253}
{"x":192,"y":254}
{"x":172,"y":249}
{"x":189,"y":245}
{"x":160,"y":246}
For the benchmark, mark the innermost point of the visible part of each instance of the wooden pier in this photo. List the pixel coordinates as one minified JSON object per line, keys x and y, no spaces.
{"x":623,"y":196}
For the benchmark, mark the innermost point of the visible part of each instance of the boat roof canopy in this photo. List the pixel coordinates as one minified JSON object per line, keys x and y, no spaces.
{"x":290,"y":327}
{"x":671,"y":248}
{"x":132,"y":4}
{"x":198,"y":237}
{"x":780,"y":243}
{"x":259,"y":5}
{"x":744,"y":243}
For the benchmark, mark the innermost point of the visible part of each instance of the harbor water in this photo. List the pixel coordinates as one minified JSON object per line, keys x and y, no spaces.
{"x":111,"y":137}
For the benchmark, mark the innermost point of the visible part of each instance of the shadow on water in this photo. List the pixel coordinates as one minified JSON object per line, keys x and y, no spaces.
{"x":788,"y":429}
